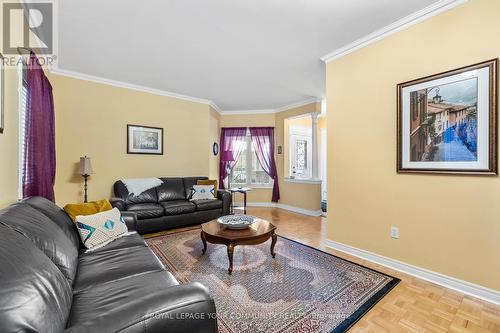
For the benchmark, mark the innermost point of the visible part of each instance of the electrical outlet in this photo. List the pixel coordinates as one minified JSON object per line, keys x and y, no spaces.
{"x":395,"y":232}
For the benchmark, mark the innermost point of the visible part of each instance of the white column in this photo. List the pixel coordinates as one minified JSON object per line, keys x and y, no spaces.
{"x":315,"y":159}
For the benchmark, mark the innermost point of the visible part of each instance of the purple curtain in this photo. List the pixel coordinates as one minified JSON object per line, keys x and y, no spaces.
{"x":263,"y":144}
{"x":232,"y":139}
{"x":39,"y":151}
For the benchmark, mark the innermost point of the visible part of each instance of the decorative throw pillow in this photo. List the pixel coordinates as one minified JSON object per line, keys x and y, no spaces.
{"x":208,"y":182}
{"x":87,"y":208}
{"x":99,"y":229}
{"x":203,"y":192}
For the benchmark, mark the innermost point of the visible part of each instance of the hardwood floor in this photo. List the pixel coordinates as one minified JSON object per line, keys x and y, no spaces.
{"x":413,"y":306}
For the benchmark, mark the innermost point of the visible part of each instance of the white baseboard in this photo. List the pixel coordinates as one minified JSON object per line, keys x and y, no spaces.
{"x":294,"y":209}
{"x":465,"y":287}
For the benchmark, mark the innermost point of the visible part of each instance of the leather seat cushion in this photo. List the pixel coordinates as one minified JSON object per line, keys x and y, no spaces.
{"x":120,"y":302}
{"x":208,"y":204}
{"x":146,"y":210}
{"x":178,"y":207}
{"x":97,"y":268}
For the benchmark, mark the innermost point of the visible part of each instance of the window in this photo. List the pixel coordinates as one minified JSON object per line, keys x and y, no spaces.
{"x":300,"y":152}
{"x":247,"y":170}
{"x":23,"y":95}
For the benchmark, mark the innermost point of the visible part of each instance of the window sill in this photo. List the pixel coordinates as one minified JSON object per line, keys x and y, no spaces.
{"x":254,"y":186}
{"x":303,"y":180}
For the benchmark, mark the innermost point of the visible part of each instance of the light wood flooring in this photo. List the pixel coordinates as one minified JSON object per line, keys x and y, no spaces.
{"x":413,"y":305}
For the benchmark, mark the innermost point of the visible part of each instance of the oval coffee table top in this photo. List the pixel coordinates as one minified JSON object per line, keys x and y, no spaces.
{"x":259,"y":228}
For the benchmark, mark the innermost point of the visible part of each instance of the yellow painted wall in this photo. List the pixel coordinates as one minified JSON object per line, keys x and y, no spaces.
{"x":448,"y":224}
{"x":307,"y":196}
{"x":9,"y":152}
{"x":248,"y":120}
{"x":91,"y":119}
{"x":9,"y":140}
{"x":213,"y":136}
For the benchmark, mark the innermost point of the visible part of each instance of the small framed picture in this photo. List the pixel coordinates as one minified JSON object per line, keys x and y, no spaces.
{"x":144,"y":140}
{"x":1,"y":95}
{"x":447,"y":122}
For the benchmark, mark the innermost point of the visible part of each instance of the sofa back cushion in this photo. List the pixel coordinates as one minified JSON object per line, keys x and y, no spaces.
{"x":45,"y":234}
{"x":171,"y":189}
{"x":149,"y":196}
{"x":57,"y":215}
{"x":189,"y":182}
{"x":35,"y":296}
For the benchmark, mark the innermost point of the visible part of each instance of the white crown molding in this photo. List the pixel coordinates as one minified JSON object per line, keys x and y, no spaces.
{"x":271,"y":111}
{"x":215,"y":107}
{"x":120,"y":84}
{"x":404,"y":23}
{"x":294,"y":209}
{"x":298,"y":104}
{"x":242,"y":112}
{"x":465,"y":287}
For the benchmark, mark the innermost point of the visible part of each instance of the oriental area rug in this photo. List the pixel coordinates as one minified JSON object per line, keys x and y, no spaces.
{"x":302,"y":290}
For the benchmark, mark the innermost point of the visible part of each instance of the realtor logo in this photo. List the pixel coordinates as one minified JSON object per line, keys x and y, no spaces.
{"x":29,"y":25}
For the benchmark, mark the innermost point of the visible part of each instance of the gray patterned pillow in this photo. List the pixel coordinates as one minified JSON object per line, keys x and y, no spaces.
{"x":203,"y":192}
{"x":99,"y":229}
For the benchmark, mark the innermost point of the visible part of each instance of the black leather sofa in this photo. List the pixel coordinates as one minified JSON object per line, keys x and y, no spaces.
{"x":50,"y":284}
{"x":168,"y":205}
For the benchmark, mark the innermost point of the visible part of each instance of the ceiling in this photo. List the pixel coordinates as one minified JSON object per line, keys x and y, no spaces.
{"x":242,"y":55}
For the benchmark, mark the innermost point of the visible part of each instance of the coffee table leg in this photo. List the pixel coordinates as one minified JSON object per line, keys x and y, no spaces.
{"x":204,"y":243}
{"x":245,"y":202}
{"x":230,"y":250}
{"x":273,"y":243}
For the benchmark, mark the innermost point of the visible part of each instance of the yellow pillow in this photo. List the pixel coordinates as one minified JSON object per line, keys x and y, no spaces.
{"x":89,"y":208}
{"x":208,"y":182}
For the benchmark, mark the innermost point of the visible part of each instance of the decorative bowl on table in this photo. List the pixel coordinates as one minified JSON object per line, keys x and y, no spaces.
{"x":237,"y":221}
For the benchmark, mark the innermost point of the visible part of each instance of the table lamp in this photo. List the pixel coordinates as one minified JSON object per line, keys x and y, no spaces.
{"x":85,"y":170}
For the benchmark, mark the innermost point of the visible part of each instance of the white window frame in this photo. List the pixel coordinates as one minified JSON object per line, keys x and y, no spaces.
{"x":21,"y":126}
{"x":250,"y":156}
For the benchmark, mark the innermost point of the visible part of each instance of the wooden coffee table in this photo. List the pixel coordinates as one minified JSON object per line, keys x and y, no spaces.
{"x":259,"y":232}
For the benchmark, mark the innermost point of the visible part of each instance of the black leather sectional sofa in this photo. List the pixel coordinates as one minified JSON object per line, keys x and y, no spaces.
{"x":168,"y":205}
{"x":48,"y":283}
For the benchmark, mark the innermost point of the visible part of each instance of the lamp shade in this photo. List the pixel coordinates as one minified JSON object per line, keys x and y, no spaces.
{"x":227,"y":156}
{"x":85,"y":166}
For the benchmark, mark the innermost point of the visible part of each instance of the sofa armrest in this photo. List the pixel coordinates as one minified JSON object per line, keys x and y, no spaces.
{"x":225,"y":196}
{"x":118,"y":203}
{"x":181,"y":308}
{"x":130,"y":220}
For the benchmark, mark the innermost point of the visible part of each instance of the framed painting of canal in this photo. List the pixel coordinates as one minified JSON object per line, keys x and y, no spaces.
{"x":447,"y":122}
